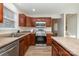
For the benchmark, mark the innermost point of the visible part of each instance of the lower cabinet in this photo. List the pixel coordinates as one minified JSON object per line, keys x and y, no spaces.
{"x":25,"y":42}
{"x":23,"y":45}
{"x":58,"y":50}
{"x":54,"y":50}
{"x":64,"y":52}
{"x":48,"y":39}
{"x":32,"y":39}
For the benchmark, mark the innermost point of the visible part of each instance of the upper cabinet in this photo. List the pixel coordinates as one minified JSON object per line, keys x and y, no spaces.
{"x":29,"y":21}
{"x":22,"y":20}
{"x":26,"y":21}
{"x":1,"y":12}
{"x":48,"y":21}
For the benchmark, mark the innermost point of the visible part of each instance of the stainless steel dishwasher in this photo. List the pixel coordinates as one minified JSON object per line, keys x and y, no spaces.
{"x":10,"y":50}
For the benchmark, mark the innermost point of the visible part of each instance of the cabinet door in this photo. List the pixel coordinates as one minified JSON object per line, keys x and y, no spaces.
{"x":22,"y":20}
{"x":63,"y":52}
{"x":25,"y":44}
{"x":54,"y":50}
{"x":49,"y":40}
{"x":60,"y":50}
{"x":43,"y":19}
{"x":29,"y":22}
{"x":1,"y":12}
{"x":32,"y":40}
{"x":21,"y":47}
{"x":48,"y":22}
{"x":33,"y":20}
{"x":28,"y":38}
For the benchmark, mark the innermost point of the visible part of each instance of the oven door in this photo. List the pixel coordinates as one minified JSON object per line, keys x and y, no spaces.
{"x":40,"y":40}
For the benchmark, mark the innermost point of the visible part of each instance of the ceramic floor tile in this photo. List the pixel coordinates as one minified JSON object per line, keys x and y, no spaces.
{"x":38,"y":51}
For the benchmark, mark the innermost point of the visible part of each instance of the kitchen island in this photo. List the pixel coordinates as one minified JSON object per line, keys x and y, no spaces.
{"x":65,"y":46}
{"x":14,"y":44}
{"x":25,"y":40}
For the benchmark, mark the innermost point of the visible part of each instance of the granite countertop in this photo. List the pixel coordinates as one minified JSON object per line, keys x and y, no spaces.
{"x":70,"y":44}
{"x":7,"y":40}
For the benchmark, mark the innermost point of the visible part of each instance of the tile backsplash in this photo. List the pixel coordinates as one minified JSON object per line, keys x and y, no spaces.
{"x":32,"y":28}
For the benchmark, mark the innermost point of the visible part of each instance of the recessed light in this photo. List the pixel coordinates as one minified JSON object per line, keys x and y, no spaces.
{"x":33,"y":10}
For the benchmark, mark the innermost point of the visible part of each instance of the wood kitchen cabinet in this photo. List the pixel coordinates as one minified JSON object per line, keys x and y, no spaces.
{"x":32,"y":39}
{"x":21,"y":47}
{"x":58,"y":50}
{"x":64,"y":52}
{"x":29,"y":21}
{"x":49,"y":40}
{"x":48,"y":21}
{"x":1,"y":12}
{"x":54,"y":50}
{"x":22,"y":20}
{"x":28,"y":40}
{"x":24,"y":44}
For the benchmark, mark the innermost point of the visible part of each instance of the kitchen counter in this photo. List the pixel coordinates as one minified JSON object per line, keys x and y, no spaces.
{"x":70,"y":44}
{"x":7,"y":40}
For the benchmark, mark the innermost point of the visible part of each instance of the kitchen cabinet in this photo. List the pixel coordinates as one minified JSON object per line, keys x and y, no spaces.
{"x":28,"y":37}
{"x":22,"y":20}
{"x":49,"y":40}
{"x":32,"y":39}
{"x":58,"y":50}
{"x":24,"y":44}
{"x":1,"y":12}
{"x":29,"y":21}
{"x":54,"y":50}
{"x":27,"y":41}
{"x":48,"y":21}
{"x":21,"y":47}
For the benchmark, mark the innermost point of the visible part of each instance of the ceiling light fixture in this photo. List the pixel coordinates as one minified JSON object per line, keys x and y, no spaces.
{"x":33,"y":10}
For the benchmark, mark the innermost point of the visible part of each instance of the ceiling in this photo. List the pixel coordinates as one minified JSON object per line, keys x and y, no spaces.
{"x":48,"y":8}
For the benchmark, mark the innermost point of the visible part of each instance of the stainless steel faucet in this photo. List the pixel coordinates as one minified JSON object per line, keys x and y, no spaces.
{"x":12,"y":34}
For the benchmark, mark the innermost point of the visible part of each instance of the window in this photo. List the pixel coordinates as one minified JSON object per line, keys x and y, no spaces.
{"x":8,"y":21}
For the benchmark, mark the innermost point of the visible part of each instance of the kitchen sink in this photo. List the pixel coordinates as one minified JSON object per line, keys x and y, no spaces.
{"x":14,"y":35}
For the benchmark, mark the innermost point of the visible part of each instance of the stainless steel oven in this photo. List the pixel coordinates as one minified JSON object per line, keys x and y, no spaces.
{"x":40,"y":40}
{"x":40,"y":33}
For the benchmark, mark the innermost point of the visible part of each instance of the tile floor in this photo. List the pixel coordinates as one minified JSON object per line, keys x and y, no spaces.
{"x":39,"y":51}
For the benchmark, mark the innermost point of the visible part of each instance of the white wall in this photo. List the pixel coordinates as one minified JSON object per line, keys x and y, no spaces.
{"x":71,"y":20}
{"x":78,"y":26}
{"x":51,"y":15}
{"x":61,"y":26}
{"x":48,"y":29}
